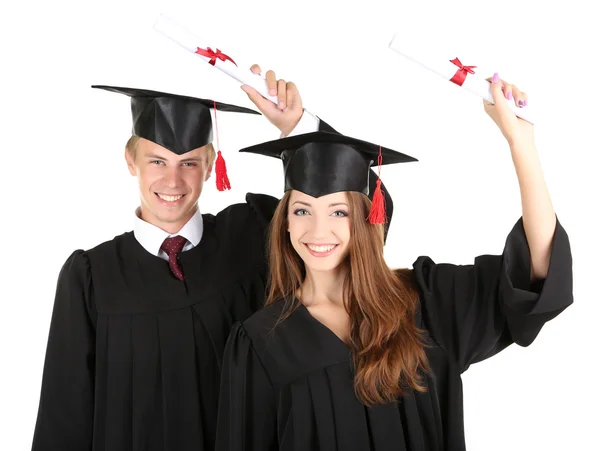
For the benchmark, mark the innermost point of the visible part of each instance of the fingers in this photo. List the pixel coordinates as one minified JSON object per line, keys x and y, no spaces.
{"x":293,"y":96}
{"x":286,"y":92}
{"x":281,"y":94}
{"x":513,"y":94}
{"x":520,"y":97}
{"x":499,"y":93}
{"x":496,"y":88}
{"x":277,"y":88}
{"x":508,"y":91}
{"x":271,"y":82}
{"x":261,"y":103}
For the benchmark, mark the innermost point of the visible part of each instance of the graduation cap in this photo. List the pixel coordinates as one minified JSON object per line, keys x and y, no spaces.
{"x":178,"y":123}
{"x":322,"y":163}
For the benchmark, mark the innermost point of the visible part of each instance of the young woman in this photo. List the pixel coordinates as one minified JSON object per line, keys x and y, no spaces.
{"x":351,"y":355}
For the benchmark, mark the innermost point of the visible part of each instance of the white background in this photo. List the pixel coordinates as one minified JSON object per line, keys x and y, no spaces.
{"x":66,"y":185}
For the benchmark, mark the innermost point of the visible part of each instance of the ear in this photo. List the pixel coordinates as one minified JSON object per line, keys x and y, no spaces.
{"x":130,"y":163}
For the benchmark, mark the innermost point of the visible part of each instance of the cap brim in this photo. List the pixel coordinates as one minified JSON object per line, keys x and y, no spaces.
{"x":136,"y":92}
{"x":276,"y":147}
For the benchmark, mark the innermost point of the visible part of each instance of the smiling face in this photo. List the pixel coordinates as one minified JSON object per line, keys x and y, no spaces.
{"x":319,"y":229}
{"x":170,"y":184}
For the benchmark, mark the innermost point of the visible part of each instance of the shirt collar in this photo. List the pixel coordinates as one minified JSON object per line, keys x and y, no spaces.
{"x":152,"y":237}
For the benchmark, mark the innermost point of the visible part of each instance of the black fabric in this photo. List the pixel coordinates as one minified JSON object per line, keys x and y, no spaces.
{"x":322,"y":162}
{"x":289,"y":386}
{"x":372,"y":178}
{"x":134,"y":355}
{"x":178,"y":123}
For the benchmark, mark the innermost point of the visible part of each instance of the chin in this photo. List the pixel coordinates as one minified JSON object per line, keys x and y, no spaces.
{"x":170,"y":216}
{"x":321,"y":265}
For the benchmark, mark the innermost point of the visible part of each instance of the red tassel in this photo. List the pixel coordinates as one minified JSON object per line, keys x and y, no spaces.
{"x":377,"y":213}
{"x":220,"y":167}
{"x":221,"y":172}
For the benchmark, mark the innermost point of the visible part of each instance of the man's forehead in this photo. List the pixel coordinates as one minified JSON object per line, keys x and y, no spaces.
{"x":150,"y":148}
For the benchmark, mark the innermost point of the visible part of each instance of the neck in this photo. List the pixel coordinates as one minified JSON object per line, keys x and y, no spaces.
{"x":171,"y":227}
{"x":323,"y":287}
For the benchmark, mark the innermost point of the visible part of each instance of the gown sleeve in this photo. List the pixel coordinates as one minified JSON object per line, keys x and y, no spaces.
{"x":65,"y":413}
{"x":264,"y":207}
{"x":247,"y":413}
{"x":475,"y":311}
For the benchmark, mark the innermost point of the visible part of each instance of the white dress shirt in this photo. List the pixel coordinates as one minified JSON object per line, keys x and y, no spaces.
{"x":308,"y":123}
{"x":152,"y":237}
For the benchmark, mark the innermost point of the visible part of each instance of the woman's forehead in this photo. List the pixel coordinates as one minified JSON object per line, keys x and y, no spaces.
{"x":334,"y":198}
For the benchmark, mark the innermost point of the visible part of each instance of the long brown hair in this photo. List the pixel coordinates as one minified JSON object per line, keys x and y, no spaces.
{"x":386,"y":345}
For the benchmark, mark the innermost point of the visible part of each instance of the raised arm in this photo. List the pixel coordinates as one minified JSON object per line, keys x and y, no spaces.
{"x":539,"y":218}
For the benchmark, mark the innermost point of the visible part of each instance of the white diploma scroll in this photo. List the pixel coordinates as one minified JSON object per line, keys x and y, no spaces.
{"x":466,"y":77}
{"x":169,"y":28}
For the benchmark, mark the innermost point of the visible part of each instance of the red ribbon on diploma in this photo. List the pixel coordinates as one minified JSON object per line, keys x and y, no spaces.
{"x":461,"y":74}
{"x":209,"y":53}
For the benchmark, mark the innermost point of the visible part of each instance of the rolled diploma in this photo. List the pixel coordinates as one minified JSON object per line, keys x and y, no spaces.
{"x":169,"y":28}
{"x":445,"y":69}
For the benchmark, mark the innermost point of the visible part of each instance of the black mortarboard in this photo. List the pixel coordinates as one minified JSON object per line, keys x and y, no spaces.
{"x":322,"y":163}
{"x":178,"y":123}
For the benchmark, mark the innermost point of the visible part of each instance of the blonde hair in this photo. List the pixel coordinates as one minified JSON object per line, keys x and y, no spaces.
{"x":211,"y":154}
{"x":131,"y":145}
{"x":133,"y":141}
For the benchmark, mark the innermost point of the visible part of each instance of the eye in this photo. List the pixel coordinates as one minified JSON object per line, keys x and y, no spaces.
{"x":339,"y":214}
{"x":300,"y":212}
{"x":157,"y":162}
{"x":190,"y":164}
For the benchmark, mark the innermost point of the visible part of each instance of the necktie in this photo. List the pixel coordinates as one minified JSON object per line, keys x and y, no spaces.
{"x":172,"y":247}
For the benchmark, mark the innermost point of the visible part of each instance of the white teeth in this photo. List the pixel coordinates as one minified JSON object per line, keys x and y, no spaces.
{"x":170,"y":198}
{"x":316,"y":248}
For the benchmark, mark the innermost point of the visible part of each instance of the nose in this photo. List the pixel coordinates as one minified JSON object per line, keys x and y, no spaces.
{"x":173,"y":177}
{"x":320,"y":227}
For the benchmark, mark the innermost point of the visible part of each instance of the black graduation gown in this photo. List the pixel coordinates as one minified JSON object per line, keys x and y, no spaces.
{"x":134,"y":354}
{"x":290,"y":387}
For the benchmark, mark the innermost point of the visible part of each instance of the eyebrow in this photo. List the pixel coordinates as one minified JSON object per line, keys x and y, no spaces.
{"x":193,"y":159}
{"x":330,"y":205}
{"x":154,"y":156}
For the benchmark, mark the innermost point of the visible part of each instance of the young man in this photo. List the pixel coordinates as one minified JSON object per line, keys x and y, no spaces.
{"x":140,"y":322}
